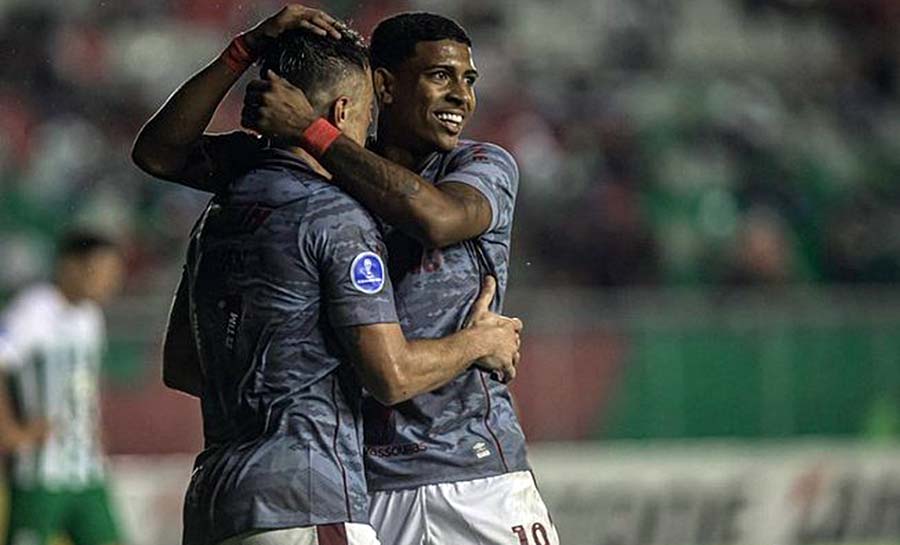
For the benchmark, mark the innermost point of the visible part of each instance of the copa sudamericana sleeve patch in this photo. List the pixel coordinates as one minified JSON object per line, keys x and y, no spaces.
{"x":367,"y":272}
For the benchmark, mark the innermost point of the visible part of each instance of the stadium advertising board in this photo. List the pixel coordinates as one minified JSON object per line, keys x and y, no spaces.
{"x":654,"y":494}
{"x":786,"y":495}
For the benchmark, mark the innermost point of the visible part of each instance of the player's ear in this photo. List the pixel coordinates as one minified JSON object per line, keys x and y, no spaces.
{"x":340,"y":111}
{"x":383,"y":81}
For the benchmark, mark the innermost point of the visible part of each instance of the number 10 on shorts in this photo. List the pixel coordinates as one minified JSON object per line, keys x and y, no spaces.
{"x":538,"y":534}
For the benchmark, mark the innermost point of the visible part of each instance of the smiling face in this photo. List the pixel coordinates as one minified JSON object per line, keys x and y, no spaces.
{"x":428,"y":100}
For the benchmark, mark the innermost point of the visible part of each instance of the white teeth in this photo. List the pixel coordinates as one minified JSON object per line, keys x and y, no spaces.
{"x":453,"y":118}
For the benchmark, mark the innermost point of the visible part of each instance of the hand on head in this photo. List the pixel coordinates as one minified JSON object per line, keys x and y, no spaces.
{"x":290,"y":17}
{"x":275,"y":108}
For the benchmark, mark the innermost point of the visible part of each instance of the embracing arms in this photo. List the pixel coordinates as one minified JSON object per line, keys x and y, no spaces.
{"x":173,"y":146}
{"x":436,"y":215}
{"x":394,"y":369}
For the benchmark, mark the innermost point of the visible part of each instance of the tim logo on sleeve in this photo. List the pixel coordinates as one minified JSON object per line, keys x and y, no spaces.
{"x":367,"y":272}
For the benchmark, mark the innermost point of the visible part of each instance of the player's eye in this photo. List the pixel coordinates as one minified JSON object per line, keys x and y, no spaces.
{"x":440,"y":75}
{"x":470,"y":81}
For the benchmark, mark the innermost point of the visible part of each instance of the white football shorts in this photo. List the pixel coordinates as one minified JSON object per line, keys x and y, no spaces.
{"x":327,"y":534}
{"x":501,"y":510}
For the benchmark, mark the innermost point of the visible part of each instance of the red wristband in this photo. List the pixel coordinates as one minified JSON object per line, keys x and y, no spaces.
{"x":318,"y":137}
{"x":237,"y":56}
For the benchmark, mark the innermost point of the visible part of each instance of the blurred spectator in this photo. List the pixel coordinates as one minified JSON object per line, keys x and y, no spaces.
{"x":762,"y":253}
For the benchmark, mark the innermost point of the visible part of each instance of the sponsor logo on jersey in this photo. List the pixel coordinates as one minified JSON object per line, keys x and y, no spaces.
{"x":389,"y":451}
{"x":367,"y":272}
{"x":232,"y":307}
{"x":481,"y":450}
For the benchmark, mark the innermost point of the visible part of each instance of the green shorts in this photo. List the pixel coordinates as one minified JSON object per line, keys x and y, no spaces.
{"x":37,"y":515}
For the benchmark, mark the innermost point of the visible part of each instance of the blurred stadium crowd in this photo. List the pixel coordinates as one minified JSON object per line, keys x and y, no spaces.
{"x":672,"y":143}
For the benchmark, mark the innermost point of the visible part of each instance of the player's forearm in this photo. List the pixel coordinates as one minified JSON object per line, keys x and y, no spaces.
{"x":164,"y":144}
{"x":431,"y":363}
{"x":394,"y":193}
{"x":10,"y":428}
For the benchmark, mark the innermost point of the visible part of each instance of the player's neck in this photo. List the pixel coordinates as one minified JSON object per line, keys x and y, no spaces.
{"x":310,"y":161}
{"x":391,"y":146}
{"x":68,"y":292}
{"x":400,"y":155}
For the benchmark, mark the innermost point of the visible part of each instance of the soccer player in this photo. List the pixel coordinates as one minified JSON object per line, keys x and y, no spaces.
{"x":52,"y":338}
{"x":283,"y":270}
{"x":456,"y":454}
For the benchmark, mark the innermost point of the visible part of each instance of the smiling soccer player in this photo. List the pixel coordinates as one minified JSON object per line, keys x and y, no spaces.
{"x":457,"y":453}
{"x":284,"y":269}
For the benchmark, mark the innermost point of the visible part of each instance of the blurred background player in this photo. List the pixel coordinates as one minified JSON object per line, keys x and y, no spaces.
{"x":52,"y":341}
{"x":452,"y":203}
{"x":284,"y":454}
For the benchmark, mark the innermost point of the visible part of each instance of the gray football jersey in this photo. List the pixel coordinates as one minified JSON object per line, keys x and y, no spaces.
{"x":467,"y":429}
{"x":279,"y":259}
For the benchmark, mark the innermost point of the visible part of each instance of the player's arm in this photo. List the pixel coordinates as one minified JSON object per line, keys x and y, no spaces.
{"x":17,"y":326}
{"x":343,"y":243}
{"x":394,"y":369}
{"x":172,"y":144}
{"x":182,"y":370}
{"x":436,"y":215}
{"x":15,"y":435}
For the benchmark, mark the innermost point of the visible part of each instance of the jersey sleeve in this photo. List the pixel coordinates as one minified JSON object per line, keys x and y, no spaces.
{"x":491,"y":170}
{"x":18,"y":334}
{"x":351,"y":260}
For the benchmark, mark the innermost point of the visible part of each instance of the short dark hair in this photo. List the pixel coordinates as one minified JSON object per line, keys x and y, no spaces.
{"x":313,"y":62}
{"x":394,"y":39}
{"x":82,"y":242}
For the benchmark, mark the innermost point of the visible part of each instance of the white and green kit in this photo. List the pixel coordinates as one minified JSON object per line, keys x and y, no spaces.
{"x":50,"y":353}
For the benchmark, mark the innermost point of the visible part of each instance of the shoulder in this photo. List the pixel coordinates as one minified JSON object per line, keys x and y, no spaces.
{"x":478,"y":146}
{"x":32,"y":310}
{"x":39,"y":299}
{"x":270,"y":183}
{"x":473,"y":151}
{"x":330,"y":207}
{"x":91,"y":312}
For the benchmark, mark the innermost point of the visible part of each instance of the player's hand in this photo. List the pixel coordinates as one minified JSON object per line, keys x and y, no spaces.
{"x":276,"y":109}
{"x":503,"y":334}
{"x":290,"y":17}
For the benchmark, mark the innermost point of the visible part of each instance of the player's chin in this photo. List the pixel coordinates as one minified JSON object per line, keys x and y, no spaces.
{"x":445,"y":141}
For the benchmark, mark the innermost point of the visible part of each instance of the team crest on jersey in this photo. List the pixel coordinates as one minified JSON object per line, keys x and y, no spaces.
{"x":367,"y":272}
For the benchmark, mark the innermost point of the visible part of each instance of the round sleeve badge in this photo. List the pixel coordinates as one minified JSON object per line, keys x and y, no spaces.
{"x":367,"y":272}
